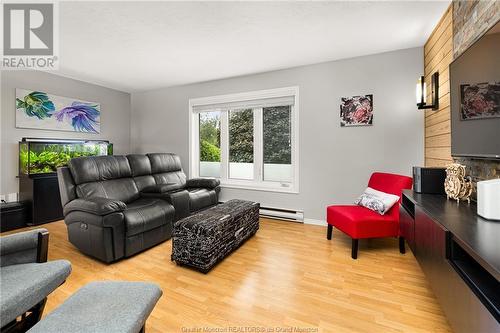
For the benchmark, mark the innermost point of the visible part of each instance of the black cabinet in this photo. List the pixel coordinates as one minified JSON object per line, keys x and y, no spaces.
{"x":459,"y":254}
{"x":40,"y":193}
{"x":430,"y":244}
{"x":407,"y":222}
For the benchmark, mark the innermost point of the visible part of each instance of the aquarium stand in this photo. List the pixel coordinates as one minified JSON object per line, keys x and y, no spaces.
{"x":41,"y":195}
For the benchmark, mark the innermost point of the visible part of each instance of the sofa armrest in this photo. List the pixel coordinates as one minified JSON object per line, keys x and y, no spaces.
{"x":24,"y":247}
{"x":203,"y":183}
{"x":97,"y":206}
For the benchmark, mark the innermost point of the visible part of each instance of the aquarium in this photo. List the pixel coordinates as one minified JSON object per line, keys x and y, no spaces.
{"x":43,"y":156}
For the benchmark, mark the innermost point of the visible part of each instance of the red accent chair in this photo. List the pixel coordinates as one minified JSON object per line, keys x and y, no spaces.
{"x":359,"y":222}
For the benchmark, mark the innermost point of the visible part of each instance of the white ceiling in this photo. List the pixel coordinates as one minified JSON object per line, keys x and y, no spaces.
{"x":136,"y":46}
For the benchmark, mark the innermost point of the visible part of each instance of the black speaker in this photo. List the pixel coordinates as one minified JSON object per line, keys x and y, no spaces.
{"x":429,"y":180}
{"x":13,"y":215}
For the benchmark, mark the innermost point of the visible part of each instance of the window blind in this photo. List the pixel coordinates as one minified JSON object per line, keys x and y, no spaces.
{"x":246,"y":104}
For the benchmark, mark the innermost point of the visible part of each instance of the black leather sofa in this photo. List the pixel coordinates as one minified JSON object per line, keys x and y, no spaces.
{"x":117,"y":206}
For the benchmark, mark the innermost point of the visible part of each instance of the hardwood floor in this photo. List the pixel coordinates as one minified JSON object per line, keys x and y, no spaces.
{"x":287,"y":275}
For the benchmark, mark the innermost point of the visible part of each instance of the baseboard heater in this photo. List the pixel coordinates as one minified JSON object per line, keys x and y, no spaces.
{"x":282,"y":214}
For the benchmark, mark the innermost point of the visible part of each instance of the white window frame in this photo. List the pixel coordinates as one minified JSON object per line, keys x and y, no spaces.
{"x":259,"y":184}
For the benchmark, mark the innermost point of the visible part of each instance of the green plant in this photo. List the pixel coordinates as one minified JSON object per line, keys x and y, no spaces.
{"x":51,"y":158}
{"x":241,"y":136}
{"x":209,"y":152}
{"x":277,"y":135}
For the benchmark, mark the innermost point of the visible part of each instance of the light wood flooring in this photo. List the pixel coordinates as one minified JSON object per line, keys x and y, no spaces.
{"x":287,"y":278}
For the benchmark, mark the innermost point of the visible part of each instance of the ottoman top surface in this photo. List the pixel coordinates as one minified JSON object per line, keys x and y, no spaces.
{"x":103,"y":307}
{"x":209,"y":218}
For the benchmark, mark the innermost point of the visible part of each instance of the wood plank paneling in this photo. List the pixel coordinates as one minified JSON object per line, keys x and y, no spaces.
{"x":437,"y":162}
{"x":440,"y":153}
{"x":443,"y":140}
{"x":441,"y":47}
{"x":438,"y":129}
{"x":444,"y":22}
{"x":438,"y":54}
{"x":438,"y":117}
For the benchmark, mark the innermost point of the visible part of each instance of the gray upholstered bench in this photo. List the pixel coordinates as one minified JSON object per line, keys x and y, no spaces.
{"x":103,"y":307}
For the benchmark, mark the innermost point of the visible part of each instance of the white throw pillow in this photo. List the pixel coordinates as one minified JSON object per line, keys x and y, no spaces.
{"x":377,"y":201}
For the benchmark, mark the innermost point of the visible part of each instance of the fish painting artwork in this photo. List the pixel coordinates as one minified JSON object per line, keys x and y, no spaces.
{"x":83,"y":116}
{"x":36,"y":104}
{"x":40,"y":110}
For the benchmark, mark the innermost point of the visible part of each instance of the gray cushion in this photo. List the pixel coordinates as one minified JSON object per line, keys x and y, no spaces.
{"x":103,"y":307}
{"x":25,"y":285}
{"x":146,"y":214}
{"x":19,"y":248}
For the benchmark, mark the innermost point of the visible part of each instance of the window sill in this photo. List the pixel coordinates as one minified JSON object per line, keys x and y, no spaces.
{"x":291,"y":190}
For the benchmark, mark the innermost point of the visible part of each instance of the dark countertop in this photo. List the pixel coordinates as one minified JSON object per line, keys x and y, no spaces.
{"x":478,"y":236}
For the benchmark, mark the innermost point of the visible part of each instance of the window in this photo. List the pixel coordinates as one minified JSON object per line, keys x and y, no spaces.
{"x":277,"y":142}
{"x":248,"y":140}
{"x":210,"y":144}
{"x":241,"y":144}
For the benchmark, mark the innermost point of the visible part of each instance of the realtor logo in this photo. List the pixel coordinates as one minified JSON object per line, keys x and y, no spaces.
{"x":29,"y":36}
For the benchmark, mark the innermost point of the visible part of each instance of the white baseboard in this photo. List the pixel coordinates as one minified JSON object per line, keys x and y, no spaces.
{"x":315,"y":222}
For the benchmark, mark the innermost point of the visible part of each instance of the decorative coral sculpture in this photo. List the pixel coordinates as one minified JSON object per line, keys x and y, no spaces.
{"x":456,"y":185}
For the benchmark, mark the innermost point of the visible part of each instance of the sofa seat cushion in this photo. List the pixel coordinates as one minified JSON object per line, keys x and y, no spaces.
{"x":147,"y":213}
{"x":25,"y":285}
{"x":200,"y":198}
{"x":360,"y":222}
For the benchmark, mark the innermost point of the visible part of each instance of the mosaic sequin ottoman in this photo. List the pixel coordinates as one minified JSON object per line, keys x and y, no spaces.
{"x":203,"y":239}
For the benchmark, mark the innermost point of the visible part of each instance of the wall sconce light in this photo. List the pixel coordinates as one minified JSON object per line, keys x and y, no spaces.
{"x":422,"y":93}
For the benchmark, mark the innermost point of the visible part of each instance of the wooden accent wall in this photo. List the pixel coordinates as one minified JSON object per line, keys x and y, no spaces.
{"x":438,"y":54}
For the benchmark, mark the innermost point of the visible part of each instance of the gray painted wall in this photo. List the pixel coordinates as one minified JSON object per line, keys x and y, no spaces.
{"x":115,"y":116}
{"x":335,"y":162}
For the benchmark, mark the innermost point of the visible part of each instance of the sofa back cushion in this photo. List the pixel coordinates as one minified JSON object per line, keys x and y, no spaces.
{"x":139,"y":165}
{"x":167,"y":169}
{"x":97,"y":168}
{"x":123,"y":189}
{"x":104,"y":176}
{"x":141,"y":171}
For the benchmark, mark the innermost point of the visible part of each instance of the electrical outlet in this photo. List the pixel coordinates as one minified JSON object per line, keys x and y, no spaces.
{"x":11,"y":197}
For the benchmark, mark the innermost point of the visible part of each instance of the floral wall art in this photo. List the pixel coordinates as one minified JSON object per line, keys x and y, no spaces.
{"x":481,"y":100}
{"x":36,"y":109}
{"x":356,"y":111}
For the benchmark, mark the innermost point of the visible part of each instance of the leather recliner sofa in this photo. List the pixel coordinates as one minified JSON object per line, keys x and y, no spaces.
{"x":117,"y":206}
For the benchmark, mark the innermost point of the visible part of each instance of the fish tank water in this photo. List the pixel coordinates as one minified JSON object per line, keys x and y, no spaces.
{"x":44,"y":156}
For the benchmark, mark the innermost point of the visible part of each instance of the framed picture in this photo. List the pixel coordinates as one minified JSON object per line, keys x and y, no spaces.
{"x":480,"y":100}
{"x":39,"y":110}
{"x":356,"y":111}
